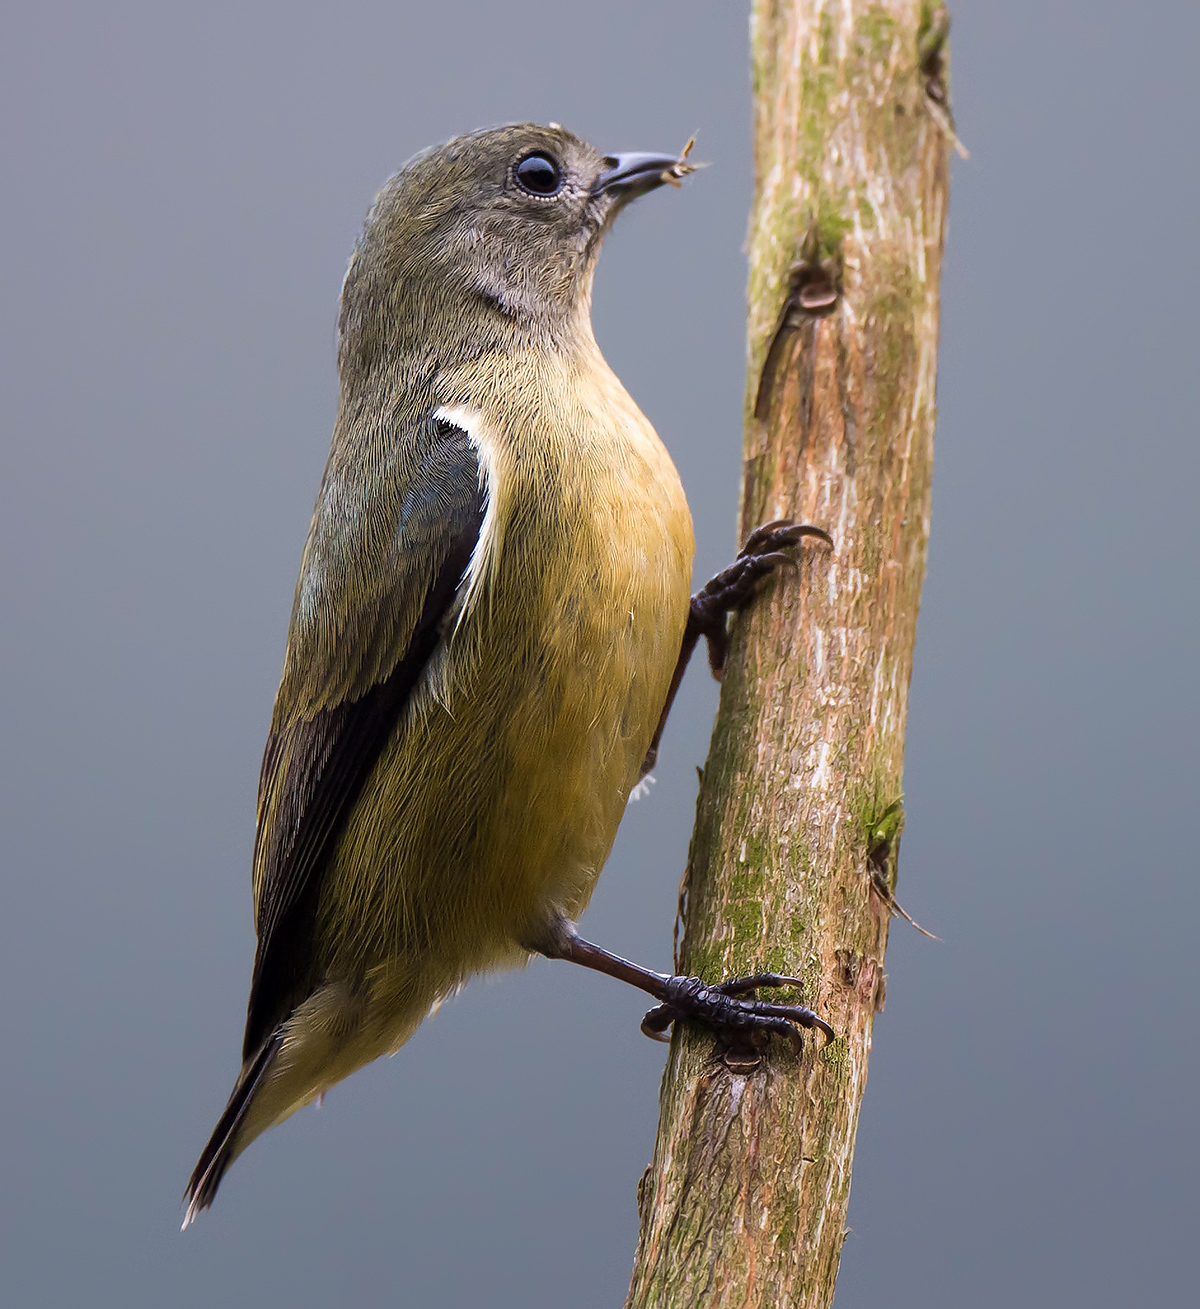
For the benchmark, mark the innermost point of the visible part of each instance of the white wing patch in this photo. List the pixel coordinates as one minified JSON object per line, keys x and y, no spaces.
{"x":481,"y":568}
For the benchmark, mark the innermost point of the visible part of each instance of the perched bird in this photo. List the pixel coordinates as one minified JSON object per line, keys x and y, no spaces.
{"x":492,"y":616}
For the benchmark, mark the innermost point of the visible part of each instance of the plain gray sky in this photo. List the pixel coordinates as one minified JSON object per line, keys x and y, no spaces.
{"x":182,"y":187}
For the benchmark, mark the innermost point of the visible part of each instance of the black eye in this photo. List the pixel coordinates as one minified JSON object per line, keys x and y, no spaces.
{"x":538,"y":174}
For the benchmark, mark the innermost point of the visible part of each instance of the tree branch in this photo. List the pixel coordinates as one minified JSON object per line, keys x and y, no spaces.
{"x":792,"y":862}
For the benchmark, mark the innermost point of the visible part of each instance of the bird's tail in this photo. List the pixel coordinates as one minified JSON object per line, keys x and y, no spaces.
{"x":223,"y":1146}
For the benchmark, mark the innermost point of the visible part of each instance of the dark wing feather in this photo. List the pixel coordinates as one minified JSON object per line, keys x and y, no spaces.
{"x":316,"y":762}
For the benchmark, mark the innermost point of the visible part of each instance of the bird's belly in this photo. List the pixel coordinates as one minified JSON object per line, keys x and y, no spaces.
{"x":498,"y":798}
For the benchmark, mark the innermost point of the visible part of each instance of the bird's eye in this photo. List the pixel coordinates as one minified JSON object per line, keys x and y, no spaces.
{"x":538,"y":174}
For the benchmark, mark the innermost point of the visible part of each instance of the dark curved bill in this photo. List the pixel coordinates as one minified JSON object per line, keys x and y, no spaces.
{"x":635,"y":173}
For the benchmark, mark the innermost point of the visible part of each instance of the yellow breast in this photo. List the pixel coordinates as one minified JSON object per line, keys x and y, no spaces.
{"x":498,"y":800}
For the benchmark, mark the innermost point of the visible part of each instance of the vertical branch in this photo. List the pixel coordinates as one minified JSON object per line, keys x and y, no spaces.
{"x":793,"y":855}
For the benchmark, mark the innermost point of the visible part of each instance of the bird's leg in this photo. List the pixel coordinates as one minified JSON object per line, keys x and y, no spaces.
{"x":717,"y":1006}
{"x":765,"y":549}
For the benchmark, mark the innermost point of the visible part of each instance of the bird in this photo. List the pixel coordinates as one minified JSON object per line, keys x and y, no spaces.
{"x":492,"y":617}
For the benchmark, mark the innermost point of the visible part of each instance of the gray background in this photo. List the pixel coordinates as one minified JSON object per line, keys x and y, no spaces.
{"x":182,"y":186}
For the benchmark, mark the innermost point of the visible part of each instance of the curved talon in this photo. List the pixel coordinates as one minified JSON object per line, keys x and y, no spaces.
{"x":798,"y":531}
{"x":764,"y":563}
{"x":762,"y":533}
{"x":782,"y":1027}
{"x":778,"y":532}
{"x":822,"y":1026}
{"x":656,"y":1021}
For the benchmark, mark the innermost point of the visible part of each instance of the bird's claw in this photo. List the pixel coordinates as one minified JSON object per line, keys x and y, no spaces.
{"x":778,"y":533}
{"x":720,"y":1007}
{"x":765,"y":549}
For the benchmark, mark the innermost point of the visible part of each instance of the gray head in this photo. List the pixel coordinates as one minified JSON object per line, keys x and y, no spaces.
{"x":489,"y":235}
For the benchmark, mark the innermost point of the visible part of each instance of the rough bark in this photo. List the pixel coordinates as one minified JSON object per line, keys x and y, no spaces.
{"x":793,"y":855}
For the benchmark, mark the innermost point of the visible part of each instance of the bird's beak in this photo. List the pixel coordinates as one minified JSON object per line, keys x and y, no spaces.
{"x":630,"y":175}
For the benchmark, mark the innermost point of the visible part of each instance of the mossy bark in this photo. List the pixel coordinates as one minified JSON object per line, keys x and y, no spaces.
{"x":793,"y":855}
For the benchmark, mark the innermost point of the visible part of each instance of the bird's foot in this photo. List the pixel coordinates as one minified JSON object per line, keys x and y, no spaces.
{"x":737,"y":1020}
{"x":766,"y":548}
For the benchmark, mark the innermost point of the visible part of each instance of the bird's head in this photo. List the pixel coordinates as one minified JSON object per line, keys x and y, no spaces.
{"x":502,"y":224}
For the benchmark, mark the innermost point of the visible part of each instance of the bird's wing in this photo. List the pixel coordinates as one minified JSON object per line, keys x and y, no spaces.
{"x":393,"y":533}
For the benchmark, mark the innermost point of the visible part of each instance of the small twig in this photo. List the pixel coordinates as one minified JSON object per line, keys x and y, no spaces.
{"x":896,"y":908}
